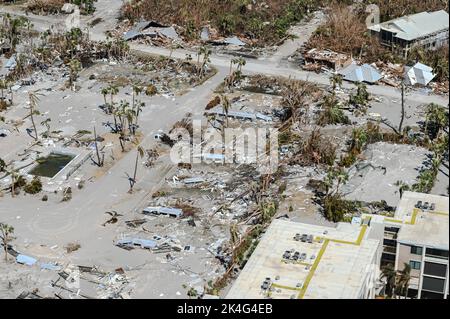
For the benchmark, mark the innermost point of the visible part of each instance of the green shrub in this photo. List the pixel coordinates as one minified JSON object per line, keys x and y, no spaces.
{"x":34,"y":187}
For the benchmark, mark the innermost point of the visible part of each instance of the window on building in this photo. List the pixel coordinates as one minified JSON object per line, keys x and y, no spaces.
{"x":415,"y":264}
{"x":436,"y":253}
{"x":415,"y":250}
{"x":434,"y":269}
{"x":390,"y":242}
{"x":433,"y":284}
{"x":431,"y":295}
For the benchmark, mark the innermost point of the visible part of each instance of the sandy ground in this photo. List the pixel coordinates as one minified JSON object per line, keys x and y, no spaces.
{"x":390,"y":163}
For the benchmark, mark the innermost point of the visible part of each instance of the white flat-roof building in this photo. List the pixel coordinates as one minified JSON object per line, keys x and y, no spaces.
{"x":296,"y":260}
{"x":418,"y":235}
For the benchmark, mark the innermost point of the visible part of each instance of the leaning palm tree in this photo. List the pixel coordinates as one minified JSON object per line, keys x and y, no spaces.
{"x":139,"y":154}
{"x":100,"y":159}
{"x":389,"y":274}
{"x":404,"y":279}
{"x":226,"y":105}
{"x":6,"y":232}
{"x":33,"y":99}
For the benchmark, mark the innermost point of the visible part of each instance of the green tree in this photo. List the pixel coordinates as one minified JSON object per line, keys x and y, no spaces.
{"x":105,"y":92}
{"x":74,"y":68}
{"x":336,"y":81}
{"x":389,"y":274}
{"x":6,"y":236}
{"x":404,"y":277}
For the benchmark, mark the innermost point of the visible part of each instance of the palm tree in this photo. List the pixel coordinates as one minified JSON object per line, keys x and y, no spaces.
{"x":402,"y":119}
{"x":3,"y":87}
{"x":404,"y":279}
{"x":226,"y":105}
{"x":34,"y":99}
{"x":74,"y":68}
{"x":113,"y":90}
{"x":136,"y":91}
{"x":200,"y":52}
{"x":436,"y":120}
{"x":336,"y":81}
{"x":100,"y":160}
{"x":205,"y":62}
{"x":139,"y":154}
{"x":14,"y":26}
{"x":136,"y":107}
{"x":104,"y":92}
{"x":390,"y":275}
{"x":233,"y":62}
{"x":6,"y":232}
{"x":241,"y":62}
{"x":46,"y":123}
{"x":2,"y":165}
{"x":114,"y":218}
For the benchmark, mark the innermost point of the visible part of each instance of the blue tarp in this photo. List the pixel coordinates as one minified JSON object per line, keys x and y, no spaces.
{"x":25,"y":260}
{"x":50,"y":266}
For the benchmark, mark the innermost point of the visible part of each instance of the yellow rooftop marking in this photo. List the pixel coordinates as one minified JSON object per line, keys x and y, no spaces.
{"x":313,"y":269}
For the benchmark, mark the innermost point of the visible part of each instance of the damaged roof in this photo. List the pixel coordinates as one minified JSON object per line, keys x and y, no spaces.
{"x":152,"y":29}
{"x":164,"y":211}
{"x":361,"y":73}
{"x":419,"y":74}
{"x":25,"y":260}
{"x":143,"y":243}
{"x":415,"y":26}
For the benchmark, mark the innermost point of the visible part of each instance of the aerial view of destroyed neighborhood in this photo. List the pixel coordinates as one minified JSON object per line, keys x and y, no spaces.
{"x":242,"y":149}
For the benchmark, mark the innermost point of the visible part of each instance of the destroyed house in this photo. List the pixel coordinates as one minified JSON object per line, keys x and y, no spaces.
{"x":240,"y":115}
{"x":136,"y":242}
{"x":326,"y":58}
{"x":193,"y":180}
{"x":428,"y":30}
{"x":168,"y":211}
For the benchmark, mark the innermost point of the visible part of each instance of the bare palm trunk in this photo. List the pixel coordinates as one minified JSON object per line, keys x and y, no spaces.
{"x":99,"y":160}
{"x":32,"y":121}
{"x":135,"y":168}
{"x":400,"y":127}
{"x":13,"y":190}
